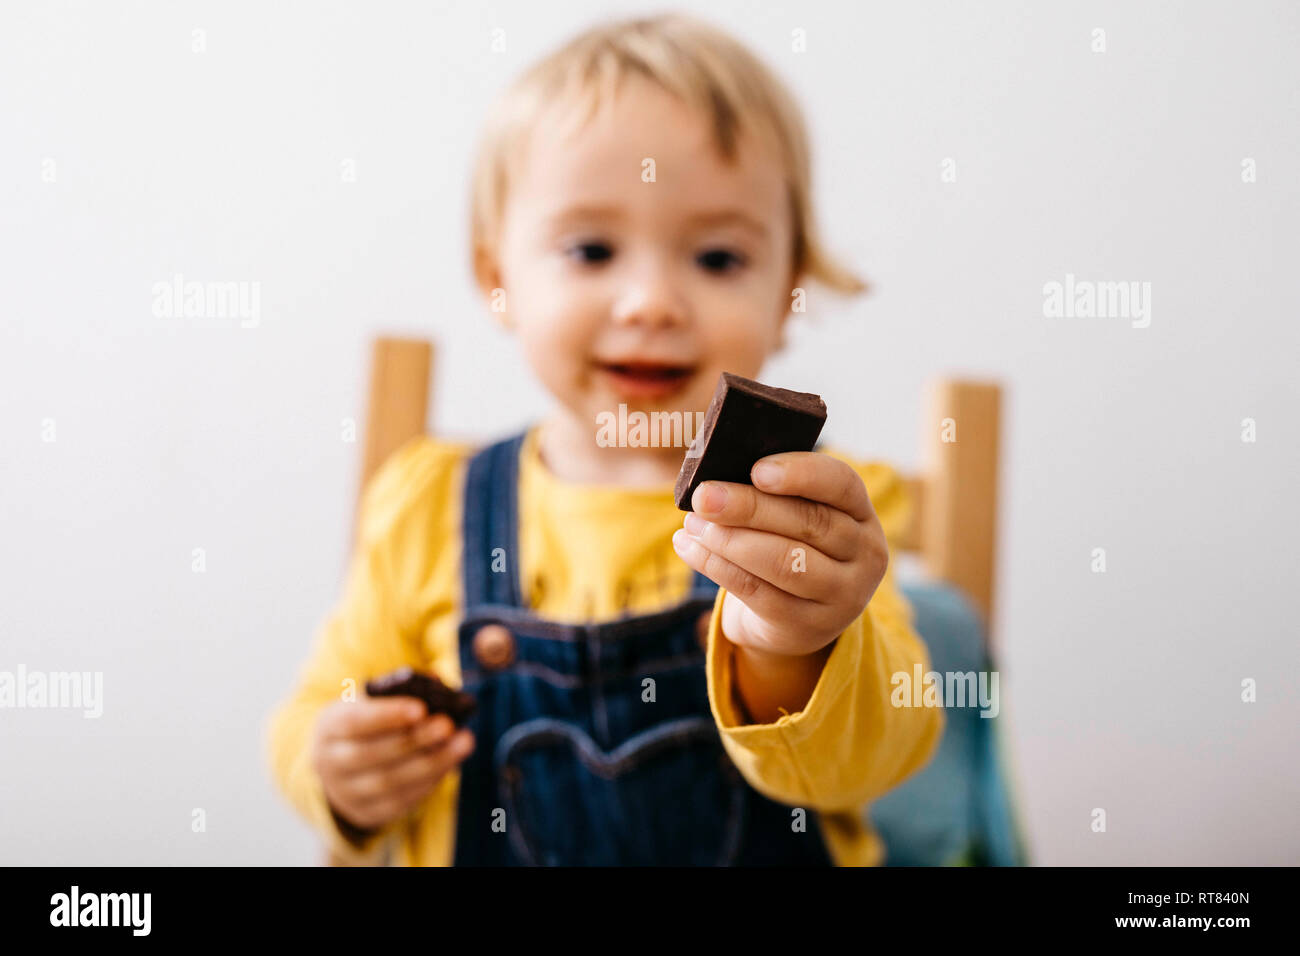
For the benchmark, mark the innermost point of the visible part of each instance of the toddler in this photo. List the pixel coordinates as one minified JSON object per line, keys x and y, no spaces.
{"x":653,"y":687}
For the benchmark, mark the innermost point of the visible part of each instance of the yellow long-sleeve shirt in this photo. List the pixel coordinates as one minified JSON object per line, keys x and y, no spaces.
{"x":589,"y":552}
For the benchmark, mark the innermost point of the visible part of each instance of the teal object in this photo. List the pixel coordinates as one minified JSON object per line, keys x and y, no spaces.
{"x":957,"y":811}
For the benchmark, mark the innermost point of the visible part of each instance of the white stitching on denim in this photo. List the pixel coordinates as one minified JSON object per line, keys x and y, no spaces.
{"x":620,"y":760}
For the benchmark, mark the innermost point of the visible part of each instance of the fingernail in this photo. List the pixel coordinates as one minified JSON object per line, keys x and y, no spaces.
{"x":695,"y":525}
{"x":682,"y":542}
{"x":712,"y":498}
{"x":767,"y":473}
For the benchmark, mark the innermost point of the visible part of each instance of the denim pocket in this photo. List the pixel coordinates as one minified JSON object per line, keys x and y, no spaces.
{"x":667,"y":796}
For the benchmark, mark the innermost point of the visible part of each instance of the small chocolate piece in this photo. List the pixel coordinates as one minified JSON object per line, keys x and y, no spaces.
{"x":438,"y":697}
{"x":746,"y":421}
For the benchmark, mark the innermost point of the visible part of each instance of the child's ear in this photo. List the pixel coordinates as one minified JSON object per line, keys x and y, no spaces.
{"x":487,"y":273}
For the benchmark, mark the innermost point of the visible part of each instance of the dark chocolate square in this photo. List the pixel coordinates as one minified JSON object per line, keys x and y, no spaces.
{"x":746,"y":421}
{"x":438,"y":697}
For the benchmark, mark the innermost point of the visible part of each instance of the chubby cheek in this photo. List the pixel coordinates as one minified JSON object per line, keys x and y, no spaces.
{"x":555,"y":353}
{"x":556,"y":337}
{"x":740,"y":340}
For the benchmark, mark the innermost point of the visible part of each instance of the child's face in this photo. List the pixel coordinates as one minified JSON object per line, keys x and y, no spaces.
{"x":628,"y":291}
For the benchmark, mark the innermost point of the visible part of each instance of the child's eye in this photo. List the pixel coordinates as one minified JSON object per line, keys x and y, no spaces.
{"x":589,"y":251}
{"x":720,"y":260}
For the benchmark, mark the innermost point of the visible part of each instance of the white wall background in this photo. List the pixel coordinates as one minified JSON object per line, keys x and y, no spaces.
{"x":1121,"y":689}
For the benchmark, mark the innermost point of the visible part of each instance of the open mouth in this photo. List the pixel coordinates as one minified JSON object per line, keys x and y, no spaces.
{"x":650,"y":371}
{"x":647,"y":379}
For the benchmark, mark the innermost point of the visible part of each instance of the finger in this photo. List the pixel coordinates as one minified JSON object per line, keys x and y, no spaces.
{"x":370,"y":716}
{"x":791,"y":566}
{"x":351,"y":755}
{"x":828,"y":529}
{"x":432,"y":748}
{"x":816,"y":476}
{"x":428,"y":763}
{"x":760,"y":597}
{"x":412,"y":793}
{"x":422,"y":771}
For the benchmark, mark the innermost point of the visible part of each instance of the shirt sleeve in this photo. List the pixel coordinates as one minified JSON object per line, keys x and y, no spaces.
{"x":849,"y":744}
{"x":363,"y":636}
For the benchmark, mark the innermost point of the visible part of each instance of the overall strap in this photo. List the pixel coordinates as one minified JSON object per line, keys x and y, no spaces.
{"x":490,"y":521}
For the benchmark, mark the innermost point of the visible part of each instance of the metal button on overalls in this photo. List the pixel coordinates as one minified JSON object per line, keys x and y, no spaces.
{"x":494,"y":647}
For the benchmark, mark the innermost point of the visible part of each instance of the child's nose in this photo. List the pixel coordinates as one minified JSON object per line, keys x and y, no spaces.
{"x":653,"y":300}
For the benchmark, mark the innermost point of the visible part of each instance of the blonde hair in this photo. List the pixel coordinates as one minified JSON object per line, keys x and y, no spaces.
{"x":700,"y":65}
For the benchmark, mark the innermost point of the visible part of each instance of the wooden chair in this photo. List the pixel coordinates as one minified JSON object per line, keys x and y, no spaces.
{"x":954,"y":515}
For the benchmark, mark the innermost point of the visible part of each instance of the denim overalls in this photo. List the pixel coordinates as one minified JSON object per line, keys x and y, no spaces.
{"x":595,"y":744}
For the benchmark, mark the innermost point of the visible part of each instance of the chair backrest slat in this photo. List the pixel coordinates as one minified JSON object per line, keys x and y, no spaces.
{"x":960,"y":501}
{"x":400,"y":375}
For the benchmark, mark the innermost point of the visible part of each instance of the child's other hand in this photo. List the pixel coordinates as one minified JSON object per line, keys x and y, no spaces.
{"x":800,"y":553}
{"x":379,"y":757}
